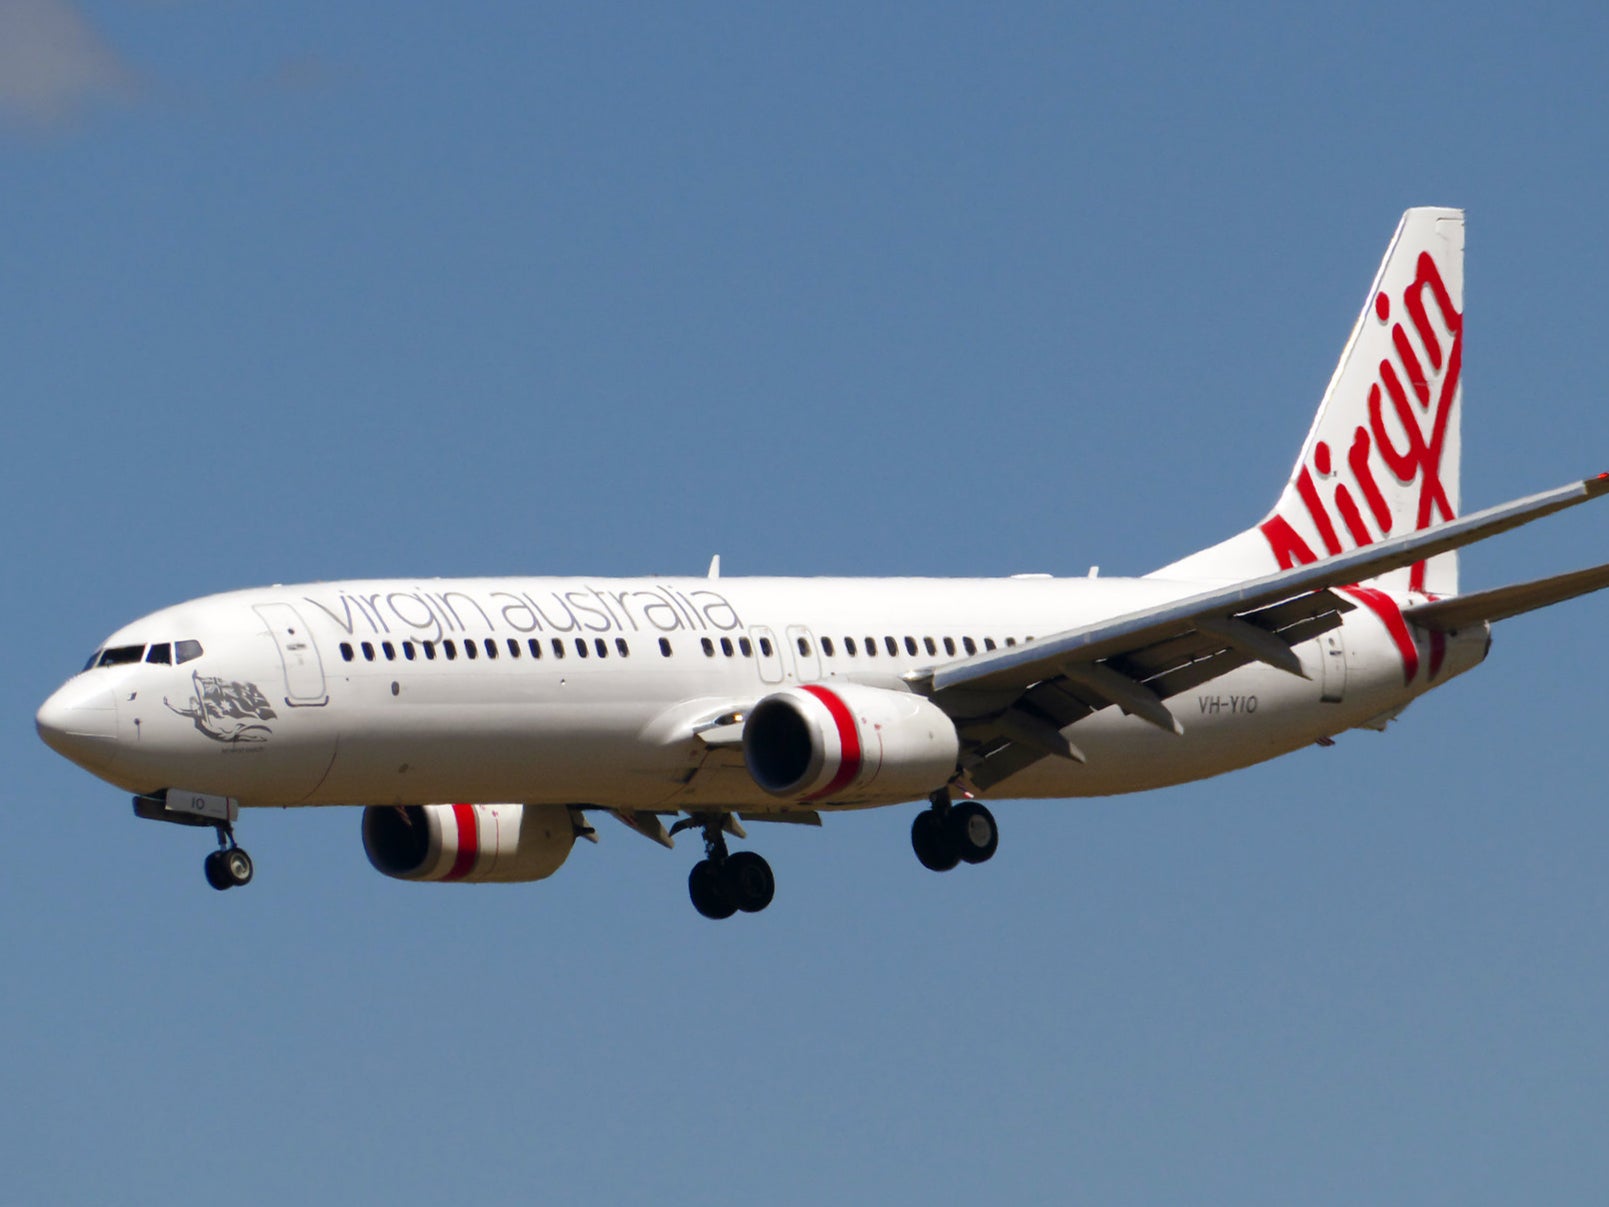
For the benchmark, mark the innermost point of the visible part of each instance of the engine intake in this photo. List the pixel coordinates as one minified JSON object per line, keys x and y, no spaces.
{"x":849,"y":743}
{"x":474,"y":844}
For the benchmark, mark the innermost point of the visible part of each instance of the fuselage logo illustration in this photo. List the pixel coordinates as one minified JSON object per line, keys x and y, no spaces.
{"x":226,"y":710}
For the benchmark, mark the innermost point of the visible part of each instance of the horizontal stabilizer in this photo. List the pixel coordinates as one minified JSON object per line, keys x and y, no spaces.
{"x":1462,"y":611}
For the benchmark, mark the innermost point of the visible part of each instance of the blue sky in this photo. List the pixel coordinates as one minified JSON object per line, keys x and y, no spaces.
{"x":301,"y":292}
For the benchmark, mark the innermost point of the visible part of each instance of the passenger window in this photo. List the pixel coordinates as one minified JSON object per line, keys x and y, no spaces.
{"x":368,"y":651}
{"x":849,"y":646}
{"x":871,"y":647}
{"x":664,"y":647}
{"x":891,"y":646}
{"x":470,"y":650}
{"x":491,"y":647}
{"x":390,"y":651}
{"x":746,"y":647}
{"x":931,"y":648}
{"x":346,"y":651}
{"x":160,"y":652}
{"x":449,"y":649}
{"x":826,"y":646}
{"x":407,"y":650}
{"x":602,"y":646}
{"x":1011,"y":641}
{"x":804,"y":647}
{"x":726,"y":646}
{"x":186,"y":651}
{"x":910,"y":645}
{"x":622,"y":648}
{"x":988,"y":643}
{"x":558,"y":648}
{"x":513,"y":647}
{"x":430,"y":651}
{"x":580,"y":647}
{"x":949,"y":646}
{"x":709,"y":647}
{"x":535,"y":646}
{"x":969,"y":645}
{"x":765,"y":646}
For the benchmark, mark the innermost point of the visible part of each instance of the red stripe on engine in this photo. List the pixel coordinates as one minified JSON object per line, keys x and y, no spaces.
{"x":468,"y":842}
{"x":848,"y":741}
{"x":1383,"y":606}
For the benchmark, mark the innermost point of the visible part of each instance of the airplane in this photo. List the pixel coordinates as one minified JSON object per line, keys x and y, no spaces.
{"x":481,"y":724}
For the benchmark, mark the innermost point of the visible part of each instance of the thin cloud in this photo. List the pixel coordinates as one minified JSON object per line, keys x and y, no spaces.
{"x":54,"y":65}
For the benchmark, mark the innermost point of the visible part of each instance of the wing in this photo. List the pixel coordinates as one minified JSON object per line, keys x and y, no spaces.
{"x":1015,"y":706}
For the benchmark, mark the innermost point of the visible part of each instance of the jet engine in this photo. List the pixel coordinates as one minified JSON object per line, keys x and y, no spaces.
{"x":470,"y":843}
{"x":848,"y":742}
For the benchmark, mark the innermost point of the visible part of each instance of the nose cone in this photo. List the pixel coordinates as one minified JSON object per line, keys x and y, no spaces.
{"x":79,"y":722}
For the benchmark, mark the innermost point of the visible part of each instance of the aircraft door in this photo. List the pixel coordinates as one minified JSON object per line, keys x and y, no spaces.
{"x":1332,"y":666}
{"x":806,"y":661}
{"x":767,"y":653}
{"x":304,"y":672}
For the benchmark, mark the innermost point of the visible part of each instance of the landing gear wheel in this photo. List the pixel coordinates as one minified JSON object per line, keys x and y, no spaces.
{"x":217,"y":875}
{"x":973,"y":831}
{"x":237,"y":866}
{"x":752,"y":883}
{"x":934,"y":841}
{"x":713,"y":893}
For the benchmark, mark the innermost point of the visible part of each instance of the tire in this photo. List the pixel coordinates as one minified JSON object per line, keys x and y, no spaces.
{"x":217,"y":874}
{"x":934,"y":842}
{"x":973,"y":831}
{"x":752,"y":883}
{"x":711,"y":891}
{"x":237,"y":866}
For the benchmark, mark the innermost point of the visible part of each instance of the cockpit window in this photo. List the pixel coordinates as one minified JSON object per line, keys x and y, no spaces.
{"x":161,"y":652}
{"x":186,"y":651}
{"x":117,"y":655}
{"x":94,"y":660}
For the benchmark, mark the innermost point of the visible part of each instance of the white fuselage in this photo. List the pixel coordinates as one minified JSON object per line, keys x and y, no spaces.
{"x":589,"y":691}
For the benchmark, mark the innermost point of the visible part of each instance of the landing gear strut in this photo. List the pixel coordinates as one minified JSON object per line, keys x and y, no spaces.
{"x":947,"y":834}
{"x":229,"y":866}
{"x":721,"y":884}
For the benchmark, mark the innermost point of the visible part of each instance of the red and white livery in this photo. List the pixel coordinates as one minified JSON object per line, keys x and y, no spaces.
{"x":483,"y":724}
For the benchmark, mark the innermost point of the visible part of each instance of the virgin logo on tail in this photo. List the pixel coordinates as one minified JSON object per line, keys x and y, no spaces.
{"x":1400,"y":443}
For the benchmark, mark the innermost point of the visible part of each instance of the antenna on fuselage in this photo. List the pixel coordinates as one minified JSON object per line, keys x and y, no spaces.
{"x":715,"y":567}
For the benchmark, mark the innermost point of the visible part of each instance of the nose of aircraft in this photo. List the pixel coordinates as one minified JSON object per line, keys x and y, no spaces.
{"x":79,"y":722}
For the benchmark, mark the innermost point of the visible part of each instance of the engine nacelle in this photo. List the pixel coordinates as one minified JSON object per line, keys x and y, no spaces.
{"x":849,"y":742}
{"x":469,"y":843}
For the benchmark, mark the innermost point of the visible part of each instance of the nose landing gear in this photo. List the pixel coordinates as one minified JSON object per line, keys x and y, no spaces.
{"x":229,"y":866}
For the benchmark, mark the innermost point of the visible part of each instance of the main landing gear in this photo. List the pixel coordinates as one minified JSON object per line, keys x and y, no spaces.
{"x":229,"y":866}
{"x":947,"y":834}
{"x":721,"y":884}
